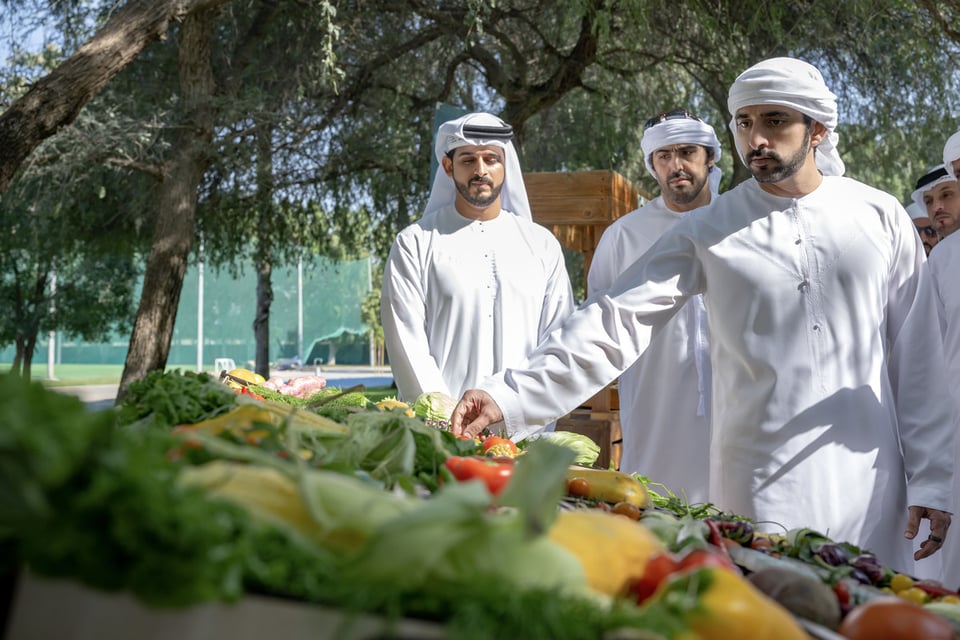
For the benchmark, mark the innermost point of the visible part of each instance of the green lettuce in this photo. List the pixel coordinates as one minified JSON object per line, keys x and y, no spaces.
{"x":586,"y":449}
{"x":435,"y":407}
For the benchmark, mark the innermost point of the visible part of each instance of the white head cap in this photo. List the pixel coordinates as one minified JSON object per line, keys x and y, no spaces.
{"x":917,"y":211}
{"x":479,"y":129}
{"x":680,"y":127}
{"x":951,"y":153}
{"x":796,"y":84}
{"x":928,"y":181}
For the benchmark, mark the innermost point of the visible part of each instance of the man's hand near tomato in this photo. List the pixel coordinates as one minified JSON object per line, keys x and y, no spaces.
{"x":476,"y":411}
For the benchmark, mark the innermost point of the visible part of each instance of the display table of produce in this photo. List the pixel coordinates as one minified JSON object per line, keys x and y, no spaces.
{"x":246,"y":508}
{"x":82,"y":613}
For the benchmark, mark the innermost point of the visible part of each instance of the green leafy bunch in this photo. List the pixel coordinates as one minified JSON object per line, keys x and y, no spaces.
{"x":169,"y":398}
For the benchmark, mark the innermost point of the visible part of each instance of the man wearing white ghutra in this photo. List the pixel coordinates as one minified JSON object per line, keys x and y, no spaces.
{"x":475,"y":284}
{"x":664,"y":396}
{"x":830,"y":407}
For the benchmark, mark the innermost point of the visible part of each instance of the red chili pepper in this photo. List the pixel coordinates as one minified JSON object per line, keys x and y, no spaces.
{"x":934,"y":590}
{"x":716,"y":539}
{"x":244,"y":391}
{"x":494,"y":474}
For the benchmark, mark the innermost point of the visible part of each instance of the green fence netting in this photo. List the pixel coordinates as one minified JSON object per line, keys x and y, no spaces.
{"x":331,"y":291}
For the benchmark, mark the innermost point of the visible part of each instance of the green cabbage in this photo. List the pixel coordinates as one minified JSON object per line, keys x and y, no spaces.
{"x":435,"y":407}
{"x":586,"y":449}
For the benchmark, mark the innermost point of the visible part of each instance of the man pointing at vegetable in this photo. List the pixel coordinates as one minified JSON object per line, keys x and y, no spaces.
{"x":829,"y":402}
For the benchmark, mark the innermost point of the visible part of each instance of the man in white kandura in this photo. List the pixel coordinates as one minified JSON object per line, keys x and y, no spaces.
{"x":829,"y":408}
{"x":942,"y":201}
{"x":664,"y":396}
{"x":474,"y":285}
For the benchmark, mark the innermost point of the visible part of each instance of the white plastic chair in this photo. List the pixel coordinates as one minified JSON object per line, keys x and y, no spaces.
{"x":224,"y":364}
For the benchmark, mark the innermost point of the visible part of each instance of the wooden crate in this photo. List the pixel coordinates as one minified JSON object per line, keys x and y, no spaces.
{"x":577,"y":206}
{"x":601,"y":427}
{"x":579,"y":198}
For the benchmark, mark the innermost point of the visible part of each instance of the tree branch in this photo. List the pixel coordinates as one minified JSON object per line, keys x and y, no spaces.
{"x":57,"y":98}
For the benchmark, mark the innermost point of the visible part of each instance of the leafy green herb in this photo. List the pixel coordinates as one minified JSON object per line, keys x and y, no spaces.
{"x":166,"y":399}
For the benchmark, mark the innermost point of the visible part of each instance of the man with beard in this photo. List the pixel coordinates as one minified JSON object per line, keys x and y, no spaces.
{"x":475,"y":284}
{"x":830,"y":407}
{"x":663,"y":396}
{"x":942,"y":200}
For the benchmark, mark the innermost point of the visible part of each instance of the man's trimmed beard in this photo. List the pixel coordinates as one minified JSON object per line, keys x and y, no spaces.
{"x":687,"y":195}
{"x":479,"y":201}
{"x":786,"y":168}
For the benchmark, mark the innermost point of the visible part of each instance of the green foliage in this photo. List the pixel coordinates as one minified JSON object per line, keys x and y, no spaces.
{"x":86,"y":500}
{"x":324,"y":139}
{"x":102,"y":505}
{"x":170,"y":398}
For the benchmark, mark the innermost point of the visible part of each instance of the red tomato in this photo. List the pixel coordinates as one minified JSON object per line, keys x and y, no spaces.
{"x":495,"y":475}
{"x":578,"y":487}
{"x":658,"y":568}
{"x":696,"y":558}
{"x":505,"y":445}
{"x":627,"y":509}
{"x":842,"y":592}
{"x":893,"y":618}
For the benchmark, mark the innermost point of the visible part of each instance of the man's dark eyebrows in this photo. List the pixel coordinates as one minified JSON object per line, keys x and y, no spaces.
{"x":765,"y":114}
{"x":460,"y":152}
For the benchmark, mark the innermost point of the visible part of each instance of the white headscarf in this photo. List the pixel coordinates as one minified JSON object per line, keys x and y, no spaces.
{"x":917,"y":211}
{"x":928,"y":181}
{"x":682,"y":130}
{"x":451,"y":135}
{"x":951,"y":153}
{"x":796,"y":84}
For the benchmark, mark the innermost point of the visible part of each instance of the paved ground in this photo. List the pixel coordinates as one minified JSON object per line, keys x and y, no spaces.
{"x":101,"y":396}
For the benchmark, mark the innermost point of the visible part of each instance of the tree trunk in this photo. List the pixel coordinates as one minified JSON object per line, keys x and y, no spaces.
{"x":261,"y":322}
{"x":56,"y":99}
{"x":176,"y":203}
{"x":30,"y":343}
{"x":264,"y":262}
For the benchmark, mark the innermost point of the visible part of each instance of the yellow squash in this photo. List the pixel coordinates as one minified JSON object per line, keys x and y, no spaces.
{"x":613,"y":549}
{"x":737,"y":610}
{"x":611,"y":486}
